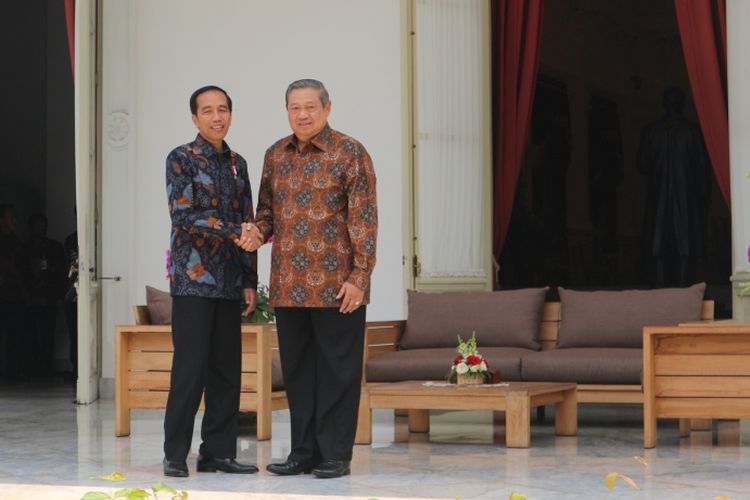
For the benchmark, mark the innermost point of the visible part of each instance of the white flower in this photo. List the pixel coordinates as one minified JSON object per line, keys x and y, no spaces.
{"x":483,"y":366}
{"x":462,"y":368}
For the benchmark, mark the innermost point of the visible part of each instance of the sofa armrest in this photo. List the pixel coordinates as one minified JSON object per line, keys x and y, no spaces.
{"x":381,"y":337}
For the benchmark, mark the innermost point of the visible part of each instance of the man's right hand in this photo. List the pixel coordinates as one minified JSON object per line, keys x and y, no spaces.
{"x":251,"y":238}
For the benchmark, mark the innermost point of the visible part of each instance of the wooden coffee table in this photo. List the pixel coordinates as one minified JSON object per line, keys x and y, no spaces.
{"x":516,"y":399}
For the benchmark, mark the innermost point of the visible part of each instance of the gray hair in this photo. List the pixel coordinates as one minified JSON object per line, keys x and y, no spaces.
{"x":308,"y":83}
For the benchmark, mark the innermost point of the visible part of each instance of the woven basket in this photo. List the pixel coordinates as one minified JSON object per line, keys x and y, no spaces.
{"x":470,"y":379}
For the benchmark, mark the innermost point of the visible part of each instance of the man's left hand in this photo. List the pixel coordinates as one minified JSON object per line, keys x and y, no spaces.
{"x":351,"y":297}
{"x":249,"y":300}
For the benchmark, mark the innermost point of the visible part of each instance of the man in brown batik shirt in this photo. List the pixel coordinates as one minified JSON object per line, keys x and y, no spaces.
{"x":317,"y":199}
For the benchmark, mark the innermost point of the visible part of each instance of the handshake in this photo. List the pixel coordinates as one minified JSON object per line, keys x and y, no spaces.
{"x":251,"y":238}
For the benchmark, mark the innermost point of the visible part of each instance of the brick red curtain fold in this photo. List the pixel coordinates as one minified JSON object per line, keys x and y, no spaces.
{"x":703,"y":31}
{"x":70,"y":23}
{"x":516,"y":38}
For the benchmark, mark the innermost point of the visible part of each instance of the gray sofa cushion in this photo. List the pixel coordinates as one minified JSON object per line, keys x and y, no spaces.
{"x":616,"y":319}
{"x":500,"y":319}
{"x":433,"y":364}
{"x":584,"y":365}
{"x":159,"y":305}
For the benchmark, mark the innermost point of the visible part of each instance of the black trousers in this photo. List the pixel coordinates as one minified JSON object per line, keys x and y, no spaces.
{"x":12,"y":350}
{"x":207,"y":356}
{"x":71,"y":319}
{"x":321,"y":359}
{"x":40,"y":343}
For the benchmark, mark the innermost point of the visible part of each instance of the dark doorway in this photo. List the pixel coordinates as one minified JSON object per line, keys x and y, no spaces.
{"x":37,"y":173}
{"x":583,"y":216}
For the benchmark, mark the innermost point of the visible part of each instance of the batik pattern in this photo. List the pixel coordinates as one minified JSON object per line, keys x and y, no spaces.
{"x":209,"y":197}
{"x":320,"y":205}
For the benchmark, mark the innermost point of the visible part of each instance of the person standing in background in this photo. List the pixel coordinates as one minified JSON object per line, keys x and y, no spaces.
{"x":47,"y":270}
{"x":70,"y":299}
{"x":12,"y":295}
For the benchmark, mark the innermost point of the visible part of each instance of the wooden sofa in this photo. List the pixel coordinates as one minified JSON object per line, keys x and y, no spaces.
{"x":143,"y":360}
{"x":384,"y":336}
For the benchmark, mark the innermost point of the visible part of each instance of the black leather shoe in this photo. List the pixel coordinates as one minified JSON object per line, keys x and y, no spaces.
{"x":332,"y":468}
{"x":228,"y":465}
{"x":289,"y":468}
{"x":175,"y":469}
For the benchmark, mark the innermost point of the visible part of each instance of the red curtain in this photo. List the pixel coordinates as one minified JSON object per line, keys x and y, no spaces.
{"x":70,"y":23}
{"x":516,"y":38}
{"x":703,"y":31}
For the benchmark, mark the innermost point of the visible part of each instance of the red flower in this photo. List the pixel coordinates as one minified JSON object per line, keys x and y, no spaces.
{"x":458,"y":360}
{"x":474,"y":360}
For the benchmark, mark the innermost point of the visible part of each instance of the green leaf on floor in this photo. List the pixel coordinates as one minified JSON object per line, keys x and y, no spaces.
{"x":162,"y":486}
{"x":95,"y":495}
{"x":132,"y":493}
{"x":115,"y":476}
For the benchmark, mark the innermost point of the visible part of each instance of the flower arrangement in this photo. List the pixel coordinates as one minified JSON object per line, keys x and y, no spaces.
{"x":469,"y":367}
{"x":168,"y":257}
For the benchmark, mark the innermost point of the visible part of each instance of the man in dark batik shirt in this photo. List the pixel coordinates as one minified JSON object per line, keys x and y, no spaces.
{"x":210,"y":204}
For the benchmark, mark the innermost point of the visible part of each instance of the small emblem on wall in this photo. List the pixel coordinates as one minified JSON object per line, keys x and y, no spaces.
{"x":118,"y":129}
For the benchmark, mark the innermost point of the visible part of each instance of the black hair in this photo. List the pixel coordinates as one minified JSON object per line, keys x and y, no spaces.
{"x":194,"y":97}
{"x":308,"y":83}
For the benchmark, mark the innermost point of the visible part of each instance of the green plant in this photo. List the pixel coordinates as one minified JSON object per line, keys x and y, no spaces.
{"x":134,"y":493}
{"x":263,"y":312}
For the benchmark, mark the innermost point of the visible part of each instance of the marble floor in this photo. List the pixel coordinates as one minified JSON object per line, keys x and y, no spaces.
{"x":51,"y":448}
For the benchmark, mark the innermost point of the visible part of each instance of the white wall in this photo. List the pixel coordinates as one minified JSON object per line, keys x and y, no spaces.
{"x":157,"y":52}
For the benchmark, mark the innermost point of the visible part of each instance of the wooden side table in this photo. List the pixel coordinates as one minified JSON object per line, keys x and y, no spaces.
{"x":695,"y":371}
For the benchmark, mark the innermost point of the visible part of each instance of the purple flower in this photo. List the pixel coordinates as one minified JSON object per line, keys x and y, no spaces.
{"x":168,"y":255}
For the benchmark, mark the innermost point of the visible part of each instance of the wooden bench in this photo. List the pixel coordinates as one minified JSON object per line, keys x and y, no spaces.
{"x":143,"y":360}
{"x":384,"y":336}
{"x":697,"y":371}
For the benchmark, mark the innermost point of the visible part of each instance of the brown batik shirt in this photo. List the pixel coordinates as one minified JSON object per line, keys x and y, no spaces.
{"x":319,"y":204}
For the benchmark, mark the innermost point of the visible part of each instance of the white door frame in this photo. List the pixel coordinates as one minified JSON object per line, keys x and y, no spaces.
{"x":89,"y":294}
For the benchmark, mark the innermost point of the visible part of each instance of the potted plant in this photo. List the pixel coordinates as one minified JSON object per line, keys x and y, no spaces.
{"x":263,"y":312}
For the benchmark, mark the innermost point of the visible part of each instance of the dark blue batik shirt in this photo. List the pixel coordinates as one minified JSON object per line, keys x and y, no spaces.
{"x":209,"y":197}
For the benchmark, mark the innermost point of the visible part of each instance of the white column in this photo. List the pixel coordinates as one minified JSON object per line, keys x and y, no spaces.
{"x":117,"y":180}
{"x":738,"y":64}
{"x":85,"y":144}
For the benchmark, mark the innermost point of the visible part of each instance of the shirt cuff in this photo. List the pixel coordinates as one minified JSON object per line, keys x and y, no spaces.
{"x":360,"y":279}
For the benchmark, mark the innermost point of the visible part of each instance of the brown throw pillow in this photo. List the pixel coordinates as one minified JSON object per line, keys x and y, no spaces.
{"x":500,"y":319}
{"x":159,"y":306}
{"x":616,"y":319}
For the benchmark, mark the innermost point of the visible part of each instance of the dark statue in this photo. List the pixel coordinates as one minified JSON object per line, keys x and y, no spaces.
{"x":673,"y":156}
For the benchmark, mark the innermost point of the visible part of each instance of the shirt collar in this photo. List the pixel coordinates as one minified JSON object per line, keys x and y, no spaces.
{"x":204,"y":148}
{"x":323,"y":141}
